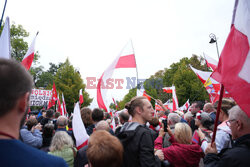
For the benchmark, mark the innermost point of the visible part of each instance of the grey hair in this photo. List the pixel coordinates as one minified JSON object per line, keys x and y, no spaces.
{"x":174,"y":118}
{"x":60,"y":141}
{"x":62,"y":121}
{"x":237,"y":113}
{"x":102,"y":125}
{"x":188,"y":115}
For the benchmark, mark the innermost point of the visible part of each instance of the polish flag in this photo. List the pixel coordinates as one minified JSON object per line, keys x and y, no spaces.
{"x":64,"y":105}
{"x":126,"y":59}
{"x":211,"y":85}
{"x":116,"y":106}
{"x":59,"y":109}
{"x":142,"y":92}
{"x":80,"y":97}
{"x":211,"y":62}
{"x":233,"y":70}
{"x":79,"y":130}
{"x":158,"y":107}
{"x":174,"y":96}
{"x":29,"y":56}
{"x":5,"y":46}
{"x":53,"y":99}
{"x":185,"y":106}
{"x":113,"y":124}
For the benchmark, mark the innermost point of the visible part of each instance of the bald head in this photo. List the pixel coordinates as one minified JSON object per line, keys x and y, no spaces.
{"x":208,"y":108}
{"x":102,"y":125}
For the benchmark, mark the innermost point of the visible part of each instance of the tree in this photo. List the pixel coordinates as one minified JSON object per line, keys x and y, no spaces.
{"x":68,"y":81}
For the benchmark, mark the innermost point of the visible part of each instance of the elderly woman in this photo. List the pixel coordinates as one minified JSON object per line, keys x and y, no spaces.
{"x":205,"y":124}
{"x":182,"y":152}
{"x":223,"y":137}
{"x":62,"y":146}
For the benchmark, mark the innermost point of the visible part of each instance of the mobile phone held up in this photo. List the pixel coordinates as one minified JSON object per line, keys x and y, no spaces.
{"x":165,"y":123}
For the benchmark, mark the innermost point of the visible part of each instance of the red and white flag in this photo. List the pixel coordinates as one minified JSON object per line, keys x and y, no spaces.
{"x":185,"y":106}
{"x":5,"y":46}
{"x":233,"y":70}
{"x":174,"y":96}
{"x":211,"y":62}
{"x":53,"y":99}
{"x":116,"y":106}
{"x":142,"y":92}
{"x":64,"y":105}
{"x":113,"y":124}
{"x":126,"y":59}
{"x":29,"y":56}
{"x":80,"y":97}
{"x":59,"y":109}
{"x":79,"y":130}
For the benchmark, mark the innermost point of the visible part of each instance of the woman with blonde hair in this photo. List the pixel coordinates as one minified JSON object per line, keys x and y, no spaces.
{"x":62,"y":146}
{"x":182,"y":152}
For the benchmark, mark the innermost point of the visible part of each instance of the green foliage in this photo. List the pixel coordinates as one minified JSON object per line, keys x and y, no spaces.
{"x":68,"y":81}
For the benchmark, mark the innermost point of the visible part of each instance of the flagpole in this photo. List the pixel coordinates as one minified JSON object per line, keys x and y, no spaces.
{"x":3,"y":13}
{"x":218,"y":112}
{"x":136,"y":65}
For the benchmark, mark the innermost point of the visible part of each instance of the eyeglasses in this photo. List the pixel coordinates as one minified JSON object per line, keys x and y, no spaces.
{"x":229,"y":122}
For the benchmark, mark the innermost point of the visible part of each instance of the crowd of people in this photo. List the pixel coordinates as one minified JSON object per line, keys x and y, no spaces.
{"x":141,"y":137}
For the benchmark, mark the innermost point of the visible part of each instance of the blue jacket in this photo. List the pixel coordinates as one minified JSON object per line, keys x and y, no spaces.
{"x":34,"y":139}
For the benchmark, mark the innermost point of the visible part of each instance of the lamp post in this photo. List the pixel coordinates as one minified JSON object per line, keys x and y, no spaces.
{"x":214,"y":40}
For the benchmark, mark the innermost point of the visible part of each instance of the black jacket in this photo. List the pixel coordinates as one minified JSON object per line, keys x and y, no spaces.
{"x":138,"y":146}
{"x":238,"y":155}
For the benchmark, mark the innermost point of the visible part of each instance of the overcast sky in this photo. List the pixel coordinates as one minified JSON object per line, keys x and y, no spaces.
{"x":91,"y":33}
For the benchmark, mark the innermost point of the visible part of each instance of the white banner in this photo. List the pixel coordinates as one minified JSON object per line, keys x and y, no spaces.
{"x":40,"y":97}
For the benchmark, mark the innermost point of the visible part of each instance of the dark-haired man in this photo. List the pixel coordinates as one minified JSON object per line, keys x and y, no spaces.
{"x":136,"y":138}
{"x":15,"y":87}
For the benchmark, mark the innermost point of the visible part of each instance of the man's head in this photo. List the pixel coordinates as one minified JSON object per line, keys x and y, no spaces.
{"x":208,"y":108}
{"x":15,"y":87}
{"x":195,"y":107}
{"x":104,"y":150}
{"x":173,"y":119}
{"x":62,"y":122}
{"x":141,"y":108}
{"x":97,"y":115}
{"x":238,"y":122}
{"x":124,"y":117}
{"x":31,"y":122}
{"x":102,"y":125}
{"x":57,"y":114}
{"x":49,"y":114}
{"x":43,"y":113}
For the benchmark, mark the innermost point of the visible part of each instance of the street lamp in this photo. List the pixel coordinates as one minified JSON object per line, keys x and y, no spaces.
{"x":214,"y":40}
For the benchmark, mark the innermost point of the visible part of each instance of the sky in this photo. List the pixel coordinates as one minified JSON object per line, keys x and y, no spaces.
{"x":91,"y":33}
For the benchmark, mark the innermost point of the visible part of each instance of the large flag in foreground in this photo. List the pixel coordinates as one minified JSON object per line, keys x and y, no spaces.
{"x":126,"y":59}
{"x":233,"y":70}
{"x":29,"y":56}
{"x":79,"y":130}
{"x":5,"y":46}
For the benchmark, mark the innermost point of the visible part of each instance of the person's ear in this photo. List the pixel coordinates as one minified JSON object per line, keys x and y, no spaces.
{"x":138,"y":110}
{"x":239,"y":125}
{"x":23,"y":102}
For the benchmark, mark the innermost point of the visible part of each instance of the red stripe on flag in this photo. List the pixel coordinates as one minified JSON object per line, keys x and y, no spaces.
{"x":99,"y":95}
{"x":126,"y":62}
{"x":82,"y":145}
{"x":28,"y":61}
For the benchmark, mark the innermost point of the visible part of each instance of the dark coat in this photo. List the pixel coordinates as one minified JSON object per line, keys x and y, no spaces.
{"x":238,"y":155}
{"x":138,"y":146}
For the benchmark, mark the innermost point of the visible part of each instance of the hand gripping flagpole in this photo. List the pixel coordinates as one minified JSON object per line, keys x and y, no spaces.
{"x":218,"y":112}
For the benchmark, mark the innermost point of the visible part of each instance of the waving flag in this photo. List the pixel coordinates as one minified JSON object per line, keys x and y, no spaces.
{"x":113,"y":124}
{"x":233,"y":70}
{"x":5,"y":46}
{"x":53,"y":99}
{"x":211,"y":62}
{"x":80,"y":97}
{"x":64,"y":105}
{"x":142,"y":92}
{"x":29,"y":56}
{"x":59,"y":109}
{"x":79,"y":130}
{"x":126,"y":59}
{"x":185,"y":106}
{"x":174,"y":96}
